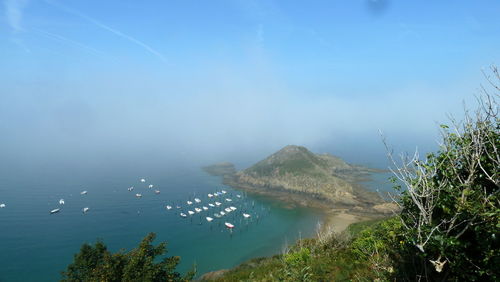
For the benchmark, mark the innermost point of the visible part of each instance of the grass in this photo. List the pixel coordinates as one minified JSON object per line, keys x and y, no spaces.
{"x":340,"y":257}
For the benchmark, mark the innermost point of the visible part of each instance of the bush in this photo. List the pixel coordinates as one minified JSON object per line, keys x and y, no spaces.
{"x":96,"y":263}
{"x":450,"y":209}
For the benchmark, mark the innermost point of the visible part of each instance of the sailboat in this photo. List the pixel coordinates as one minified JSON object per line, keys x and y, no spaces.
{"x":85,"y":209}
{"x":168,"y":207}
{"x":83,"y":192}
{"x":61,"y":202}
{"x":183,"y":214}
{"x":229,"y":225}
{"x":209,"y":218}
{"x":246,"y":215}
{"x":138,"y":195}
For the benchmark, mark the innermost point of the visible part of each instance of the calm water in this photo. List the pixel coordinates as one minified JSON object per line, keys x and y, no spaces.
{"x":36,"y":246}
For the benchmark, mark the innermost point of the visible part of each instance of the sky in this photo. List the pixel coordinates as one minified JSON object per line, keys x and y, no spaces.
{"x":232,"y":80}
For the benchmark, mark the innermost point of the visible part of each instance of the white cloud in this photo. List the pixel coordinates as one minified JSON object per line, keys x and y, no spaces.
{"x":110,"y":29}
{"x":14,"y":13}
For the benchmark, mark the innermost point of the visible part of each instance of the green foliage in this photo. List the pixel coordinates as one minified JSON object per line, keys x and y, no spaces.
{"x":96,"y":263}
{"x":297,"y":266}
{"x":451,"y":210}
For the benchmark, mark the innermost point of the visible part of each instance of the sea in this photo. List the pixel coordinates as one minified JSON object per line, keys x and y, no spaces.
{"x":36,"y":245}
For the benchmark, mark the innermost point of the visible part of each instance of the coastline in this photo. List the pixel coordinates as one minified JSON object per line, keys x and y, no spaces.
{"x":336,"y":217}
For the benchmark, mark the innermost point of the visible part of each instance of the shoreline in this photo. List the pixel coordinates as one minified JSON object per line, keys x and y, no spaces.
{"x":335,"y":217}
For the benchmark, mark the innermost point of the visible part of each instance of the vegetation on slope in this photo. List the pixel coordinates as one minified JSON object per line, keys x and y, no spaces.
{"x":96,"y":263}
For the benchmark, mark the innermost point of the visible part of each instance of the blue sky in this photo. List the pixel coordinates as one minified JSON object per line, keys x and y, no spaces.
{"x":218,"y":77}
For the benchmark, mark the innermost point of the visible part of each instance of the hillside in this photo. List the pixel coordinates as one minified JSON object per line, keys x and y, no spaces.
{"x":296,"y":170}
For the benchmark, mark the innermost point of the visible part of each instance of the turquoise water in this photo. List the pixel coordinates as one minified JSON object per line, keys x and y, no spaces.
{"x":36,"y":246}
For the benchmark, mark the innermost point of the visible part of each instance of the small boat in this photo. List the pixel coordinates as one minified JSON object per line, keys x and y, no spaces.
{"x":54,"y":211}
{"x":233,"y":208}
{"x":189,"y":202}
{"x":246,"y":215}
{"x":223,"y":192}
{"x":217,"y":215}
{"x":228,"y":210}
{"x":229,"y":225}
{"x":177,"y":207}
{"x":143,"y":180}
{"x":183,"y":214}
{"x":216,"y":194}
{"x":217,"y":204}
{"x":61,"y":202}
{"x":2,"y":206}
{"x":212,"y":205}
{"x":83,"y":192}
{"x":222,"y":213}
{"x":130,"y":188}
{"x":197,"y":200}
{"x":150,"y":186}
{"x":157,"y":192}
{"x":168,"y":207}
{"x":190,"y":212}
{"x":209,"y":218}
{"x":228,"y":200}
{"x":197,"y":209}
{"x":210,"y":195}
{"x":138,"y":195}
{"x":239,"y":196}
{"x":205,"y":208}
{"x":85,"y":209}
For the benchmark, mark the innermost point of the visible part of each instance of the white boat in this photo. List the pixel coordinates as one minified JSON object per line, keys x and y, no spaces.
{"x":130,"y":188}
{"x":168,"y":207}
{"x":143,"y":180}
{"x":210,"y":195}
{"x":189,"y":202}
{"x":209,"y":218}
{"x":157,"y":192}
{"x":190,"y":212}
{"x":197,"y":200}
{"x":223,"y":192}
{"x":217,"y":215}
{"x":246,"y":215}
{"x":197,"y":209}
{"x":233,"y":208}
{"x":205,"y":208}
{"x":83,"y":192}
{"x":61,"y":202}
{"x":228,"y":210}
{"x":138,"y":195}
{"x":150,"y":186}
{"x":229,"y":225}
{"x":212,"y":205}
{"x":228,"y":200}
{"x":222,"y":213}
{"x":216,"y":194}
{"x":177,"y":207}
{"x":54,"y":211}
{"x":2,"y":206}
{"x":239,"y":196}
{"x":85,"y":209}
{"x":183,"y":214}
{"x":217,"y":204}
